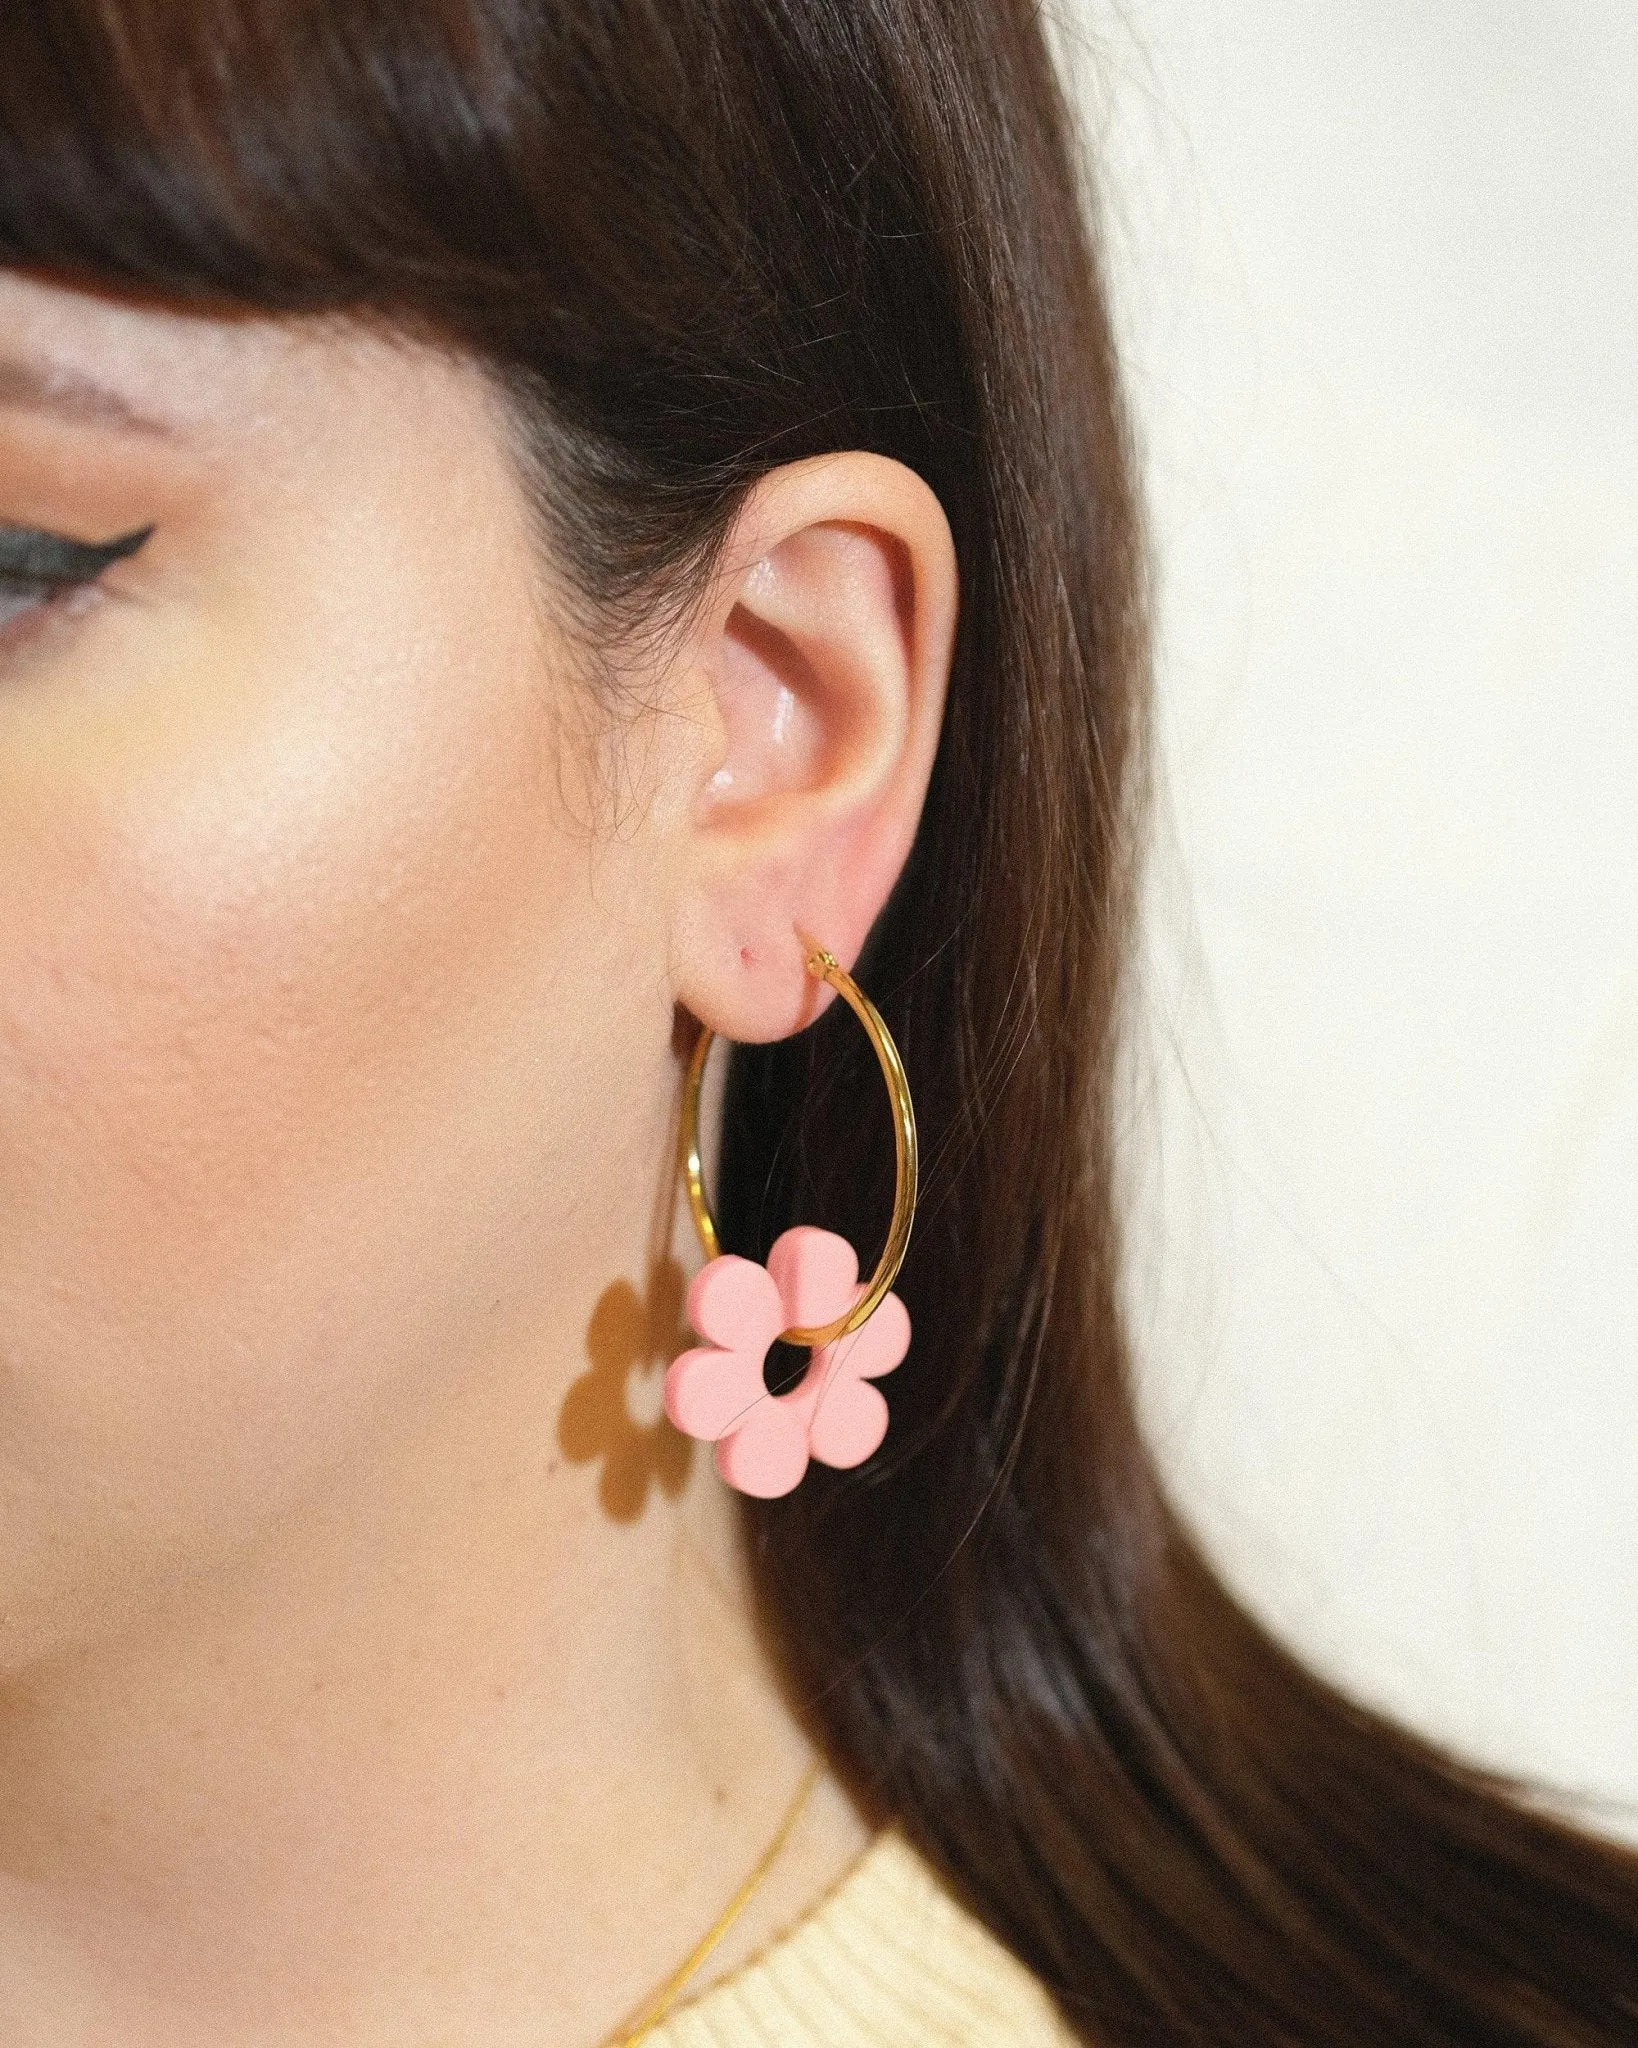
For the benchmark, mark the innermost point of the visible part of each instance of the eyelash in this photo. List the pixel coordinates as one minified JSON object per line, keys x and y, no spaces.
{"x":19,"y":600}
{"x":47,"y":572}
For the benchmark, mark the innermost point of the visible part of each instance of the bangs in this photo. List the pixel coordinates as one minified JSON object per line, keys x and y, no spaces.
{"x":287,"y":155}
{"x":686,"y":239}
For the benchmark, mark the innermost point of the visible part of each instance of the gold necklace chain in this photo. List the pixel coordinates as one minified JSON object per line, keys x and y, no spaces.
{"x":660,"y":2005}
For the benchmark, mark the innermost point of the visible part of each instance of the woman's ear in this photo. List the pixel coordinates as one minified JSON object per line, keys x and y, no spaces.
{"x":819,"y":670}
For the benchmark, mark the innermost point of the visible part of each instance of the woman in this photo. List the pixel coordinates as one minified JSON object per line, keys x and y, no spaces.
{"x":521,"y":527}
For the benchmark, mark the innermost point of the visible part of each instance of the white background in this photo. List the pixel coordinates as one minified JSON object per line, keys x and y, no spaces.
{"x":1377,"y":265}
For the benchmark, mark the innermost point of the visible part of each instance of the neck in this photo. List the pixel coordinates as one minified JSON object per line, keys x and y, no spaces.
{"x":448,"y":1752}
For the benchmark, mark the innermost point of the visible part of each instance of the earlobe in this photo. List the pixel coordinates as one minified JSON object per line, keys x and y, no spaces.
{"x":825,"y":661}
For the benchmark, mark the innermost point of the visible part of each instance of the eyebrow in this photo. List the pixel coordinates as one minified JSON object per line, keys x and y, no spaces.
{"x":71,"y":395}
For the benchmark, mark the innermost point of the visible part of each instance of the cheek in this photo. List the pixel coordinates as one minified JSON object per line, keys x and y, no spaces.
{"x":281,"y":940}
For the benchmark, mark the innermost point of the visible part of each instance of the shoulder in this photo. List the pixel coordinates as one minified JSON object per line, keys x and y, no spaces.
{"x":889,"y":1957}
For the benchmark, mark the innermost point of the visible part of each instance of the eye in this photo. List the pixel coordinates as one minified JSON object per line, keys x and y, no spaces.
{"x":38,"y":568}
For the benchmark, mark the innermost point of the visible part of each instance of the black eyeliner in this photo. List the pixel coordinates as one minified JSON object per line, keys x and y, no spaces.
{"x":30,"y":555}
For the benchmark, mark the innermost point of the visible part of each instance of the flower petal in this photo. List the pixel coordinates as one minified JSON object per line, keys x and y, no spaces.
{"x":768,"y":1454}
{"x":876,"y":1346}
{"x":736,"y":1303}
{"x":816,"y":1273}
{"x":708,"y":1391}
{"x":849,"y":1422}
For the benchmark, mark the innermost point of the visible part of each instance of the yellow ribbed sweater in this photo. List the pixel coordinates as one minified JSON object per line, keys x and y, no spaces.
{"x":888,"y":1958}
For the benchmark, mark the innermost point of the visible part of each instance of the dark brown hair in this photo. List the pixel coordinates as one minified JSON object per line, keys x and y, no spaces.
{"x":694,"y":239}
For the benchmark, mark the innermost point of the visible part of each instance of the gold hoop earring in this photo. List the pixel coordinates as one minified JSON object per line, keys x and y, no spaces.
{"x":808,"y":1294}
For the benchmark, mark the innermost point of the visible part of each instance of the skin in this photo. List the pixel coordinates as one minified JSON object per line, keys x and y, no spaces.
{"x":338,"y":1076}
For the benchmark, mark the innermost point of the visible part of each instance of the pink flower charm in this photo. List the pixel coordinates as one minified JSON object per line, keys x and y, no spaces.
{"x":763,"y":1440}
